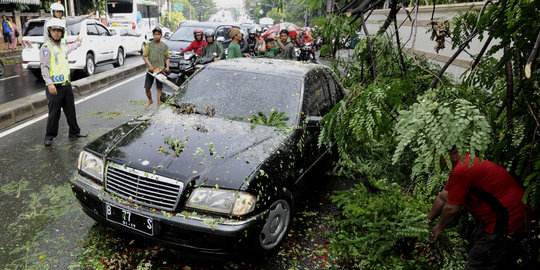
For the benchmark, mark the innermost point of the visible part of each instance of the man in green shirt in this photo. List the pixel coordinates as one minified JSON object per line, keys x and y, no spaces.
{"x":234,"y":51}
{"x":268,"y":48}
{"x":156,"y":57}
{"x":213,"y":51}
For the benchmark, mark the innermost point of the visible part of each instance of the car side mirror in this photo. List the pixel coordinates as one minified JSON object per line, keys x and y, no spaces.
{"x":220,"y":39}
{"x":312,"y":123}
{"x":167,"y":35}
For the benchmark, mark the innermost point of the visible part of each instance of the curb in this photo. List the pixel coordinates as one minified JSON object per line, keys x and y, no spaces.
{"x":21,"y":109}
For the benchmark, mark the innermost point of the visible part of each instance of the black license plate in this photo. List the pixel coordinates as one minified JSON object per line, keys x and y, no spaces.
{"x":129,"y":219}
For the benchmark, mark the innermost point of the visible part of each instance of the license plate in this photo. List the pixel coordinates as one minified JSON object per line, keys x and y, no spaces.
{"x":173,"y":64}
{"x":129,"y":219}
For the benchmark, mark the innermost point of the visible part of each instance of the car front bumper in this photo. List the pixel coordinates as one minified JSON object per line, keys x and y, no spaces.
{"x":202,"y":235}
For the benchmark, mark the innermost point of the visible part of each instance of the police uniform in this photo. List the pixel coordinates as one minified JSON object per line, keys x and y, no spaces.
{"x":55,"y":70}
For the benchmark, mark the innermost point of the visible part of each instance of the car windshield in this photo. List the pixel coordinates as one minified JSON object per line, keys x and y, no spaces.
{"x":34,"y":29}
{"x":185,"y":33}
{"x":239,"y":95}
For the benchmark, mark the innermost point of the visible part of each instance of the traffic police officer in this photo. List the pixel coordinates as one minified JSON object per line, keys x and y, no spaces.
{"x":55,"y":71}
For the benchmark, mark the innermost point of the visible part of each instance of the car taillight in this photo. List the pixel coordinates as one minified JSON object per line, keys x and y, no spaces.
{"x":133,"y":25}
{"x":27,"y":45}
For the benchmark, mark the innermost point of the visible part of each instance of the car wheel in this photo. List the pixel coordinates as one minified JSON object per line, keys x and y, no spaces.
{"x":180,"y":79}
{"x":90,"y":67}
{"x":37,"y":73}
{"x":277,"y":225}
{"x":119,"y":58}
{"x":1,"y":68}
{"x":142,"y":48}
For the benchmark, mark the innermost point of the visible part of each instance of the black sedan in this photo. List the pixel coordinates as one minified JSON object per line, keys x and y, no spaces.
{"x":218,"y":167}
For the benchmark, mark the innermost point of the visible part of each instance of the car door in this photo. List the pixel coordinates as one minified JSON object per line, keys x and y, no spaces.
{"x":316,"y":103}
{"x":93,"y":41}
{"x":108,"y":45}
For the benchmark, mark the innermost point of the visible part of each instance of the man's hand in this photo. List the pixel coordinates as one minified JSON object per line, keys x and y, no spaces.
{"x":167,"y":70}
{"x":52,"y":89}
{"x":435,"y":233}
{"x":246,"y":54}
{"x":79,"y":39}
{"x":151,"y":69}
{"x":91,"y":14}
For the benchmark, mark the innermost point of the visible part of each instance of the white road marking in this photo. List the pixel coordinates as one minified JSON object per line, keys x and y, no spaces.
{"x":43,"y":116}
{"x":7,"y":78}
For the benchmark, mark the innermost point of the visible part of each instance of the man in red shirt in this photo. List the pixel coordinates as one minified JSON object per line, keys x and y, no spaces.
{"x":494,"y":198}
{"x":198,"y":44}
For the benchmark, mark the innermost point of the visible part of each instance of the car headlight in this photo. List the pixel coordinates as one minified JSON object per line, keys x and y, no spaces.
{"x":91,"y":165}
{"x":221,"y":200}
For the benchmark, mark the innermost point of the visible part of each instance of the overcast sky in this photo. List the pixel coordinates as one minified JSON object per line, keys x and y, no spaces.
{"x":229,"y":3}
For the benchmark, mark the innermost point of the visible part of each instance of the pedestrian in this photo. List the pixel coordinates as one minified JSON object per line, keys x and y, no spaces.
{"x":7,"y":29}
{"x":494,"y":198}
{"x":234,"y":51}
{"x":269,"y":49}
{"x":285,"y":46}
{"x":25,"y":25}
{"x":14,"y":34}
{"x":57,"y":11}
{"x":53,"y":58}
{"x":156,"y":56}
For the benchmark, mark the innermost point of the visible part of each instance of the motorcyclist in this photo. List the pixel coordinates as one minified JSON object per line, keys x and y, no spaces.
{"x":243,"y":44}
{"x":57,"y":11}
{"x":252,"y":42}
{"x":213,"y":51}
{"x":306,"y":38}
{"x":198,"y":43}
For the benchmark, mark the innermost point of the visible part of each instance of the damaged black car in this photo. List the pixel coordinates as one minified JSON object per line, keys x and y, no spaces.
{"x":218,"y":167}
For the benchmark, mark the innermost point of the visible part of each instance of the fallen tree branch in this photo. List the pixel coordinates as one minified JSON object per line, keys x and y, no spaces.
{"x":370,"y":46}
{"x":479,"y":56}
{"x":451,"y":60}
{"x":391,"y":17}
{"x":532,"y":57}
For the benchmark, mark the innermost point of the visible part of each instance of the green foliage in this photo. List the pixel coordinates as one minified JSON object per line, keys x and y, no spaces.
{"x":385,"y":228}
{"x":430,"y":129}
{"x":274,"y":119}
{"x":176,"y":18}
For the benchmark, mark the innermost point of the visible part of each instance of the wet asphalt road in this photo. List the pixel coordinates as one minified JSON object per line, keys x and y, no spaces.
{"x":18,"y":82}
{"x":43,"y":227}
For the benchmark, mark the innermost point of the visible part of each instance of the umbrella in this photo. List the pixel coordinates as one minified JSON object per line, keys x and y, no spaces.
{"x":275,"y":29}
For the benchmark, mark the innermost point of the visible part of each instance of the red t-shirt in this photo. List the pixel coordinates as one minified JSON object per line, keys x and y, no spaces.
{"x":196,"y":46}
{"x":493,"y":179}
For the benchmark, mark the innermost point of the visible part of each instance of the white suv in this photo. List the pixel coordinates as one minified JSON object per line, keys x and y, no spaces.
{"x":99,"y":46}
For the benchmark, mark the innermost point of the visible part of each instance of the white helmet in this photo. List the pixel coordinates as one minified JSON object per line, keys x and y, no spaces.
{"x":56,"y":7}
{"x":55,"y":23}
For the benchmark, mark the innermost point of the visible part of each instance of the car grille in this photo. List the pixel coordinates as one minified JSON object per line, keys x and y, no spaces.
{"x":142,"y":187}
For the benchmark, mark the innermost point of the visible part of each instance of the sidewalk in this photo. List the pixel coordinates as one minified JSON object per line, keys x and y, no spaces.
{"x":14,"y":112}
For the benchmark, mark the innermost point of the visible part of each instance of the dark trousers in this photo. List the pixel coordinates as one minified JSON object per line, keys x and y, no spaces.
{"x":63,"y":100}
{"x":493,"y":252}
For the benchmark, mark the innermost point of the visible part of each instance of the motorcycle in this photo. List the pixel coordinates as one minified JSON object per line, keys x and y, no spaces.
{"x":306,"y":52}
{"x":187,"y":66}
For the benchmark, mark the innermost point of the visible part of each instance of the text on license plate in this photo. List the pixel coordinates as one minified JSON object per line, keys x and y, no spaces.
{"x":129,"y":219}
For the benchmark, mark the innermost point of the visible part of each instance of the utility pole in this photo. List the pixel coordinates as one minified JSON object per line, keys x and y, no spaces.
{"x":71,"y":8}
{"x":169,"y":9}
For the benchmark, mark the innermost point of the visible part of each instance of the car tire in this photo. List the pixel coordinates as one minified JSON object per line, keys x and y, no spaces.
{"x":1,"y":68}
{"x":37,"y":73}
{"x":276,"y":226}
{"x":180,"y":79}
{"x":142,"y":48}
{"x":90,"y":67}
{"x":120,"y":58}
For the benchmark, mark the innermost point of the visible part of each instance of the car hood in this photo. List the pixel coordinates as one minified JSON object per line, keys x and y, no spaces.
{"x":211,"y":151}
{"x":176,"y":45}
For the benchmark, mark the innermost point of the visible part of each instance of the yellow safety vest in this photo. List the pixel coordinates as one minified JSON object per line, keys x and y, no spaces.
{"x":59,"y":69}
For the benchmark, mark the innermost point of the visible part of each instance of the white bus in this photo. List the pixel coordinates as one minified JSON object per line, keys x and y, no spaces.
{"x":140,"y":15}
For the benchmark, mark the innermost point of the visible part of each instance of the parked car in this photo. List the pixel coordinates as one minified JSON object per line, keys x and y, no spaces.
{"x":217,"y":168}
{"x":99,"y":46}
{"x":183,"y":36}
{"x":130,"y":40}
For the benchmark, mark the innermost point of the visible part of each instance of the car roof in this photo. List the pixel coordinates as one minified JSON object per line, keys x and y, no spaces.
{"x":275,"y":67}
